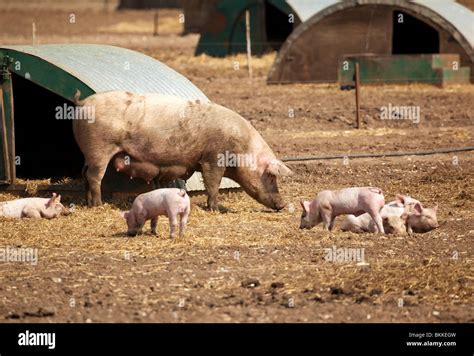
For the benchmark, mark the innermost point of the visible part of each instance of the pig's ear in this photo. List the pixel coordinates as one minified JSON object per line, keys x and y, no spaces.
{"x":278,"y":168}
{"x":305,"y":205}
{"x":418,"y":209}
{"x":51,"y":200}
{"x":404,"y":217}
{"x":302,"y":204}
{"x":58,"y":199}
{"x":124,"y":214}
{"x":400,"y":200}
{"x":435,"y":208}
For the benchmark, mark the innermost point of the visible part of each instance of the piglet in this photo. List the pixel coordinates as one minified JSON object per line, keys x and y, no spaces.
{"x":421,"y":219}
{"x":171,"y":202}
{"x":392,"y":224}
{"x":415,"y":218}
{"x":329,"y":204}
{"x":47,"y":208}
{"x":364,"y":223}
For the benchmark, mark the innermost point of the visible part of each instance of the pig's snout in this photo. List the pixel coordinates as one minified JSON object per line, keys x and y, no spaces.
{"x":132,"y":233}
{"x":66,"y":212}
{"x":279,"y":206}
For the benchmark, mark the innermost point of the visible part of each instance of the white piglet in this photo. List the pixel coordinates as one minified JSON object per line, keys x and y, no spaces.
{"x":171,"y":202}
{"x":403,"y":209}
{"x":329,"y":204}
{"x":36,"y":208}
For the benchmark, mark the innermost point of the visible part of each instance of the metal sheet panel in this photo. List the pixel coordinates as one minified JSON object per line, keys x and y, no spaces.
{"x":457,"y":15}
{"x":307,"y":8}
{"x":105,"y":68}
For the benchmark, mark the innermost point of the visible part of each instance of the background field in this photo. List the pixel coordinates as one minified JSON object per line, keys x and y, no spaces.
{"x":247,"y":263}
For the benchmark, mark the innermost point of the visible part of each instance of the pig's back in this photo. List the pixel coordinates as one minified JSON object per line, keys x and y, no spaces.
{"x":129,"y":117}
{"x":392,"y":209}
{"x":14,"y":208}
{"x":159,"y":201}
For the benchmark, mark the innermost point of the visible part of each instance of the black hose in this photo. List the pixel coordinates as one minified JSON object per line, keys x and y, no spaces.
{"x":384,"y":154}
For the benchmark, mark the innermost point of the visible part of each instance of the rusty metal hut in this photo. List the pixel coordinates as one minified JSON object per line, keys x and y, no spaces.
{"x":384,"y":28}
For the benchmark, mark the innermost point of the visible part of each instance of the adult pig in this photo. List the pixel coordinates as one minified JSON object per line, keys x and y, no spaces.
{"x":179,"y":137}
{"x":47,"y":208}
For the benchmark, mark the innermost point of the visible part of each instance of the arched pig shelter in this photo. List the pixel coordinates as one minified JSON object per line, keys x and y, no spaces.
{"x":311,"y":53}
{"x":36,"y":80}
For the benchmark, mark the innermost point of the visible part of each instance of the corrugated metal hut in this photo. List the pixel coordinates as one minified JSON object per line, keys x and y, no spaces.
{"x":37,"y":80}
{"x":271,"y":22}
{"x":379,"y":27}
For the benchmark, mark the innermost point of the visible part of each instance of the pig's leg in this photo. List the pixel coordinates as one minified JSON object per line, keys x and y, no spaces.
{"x":331,"y":224}
{"x":182,"y":224}
{"x":212,"y":176}
{"x":96,"y":167}
{"x":30,"y":213}
{"x":94,"y":177}
{"x":327,"y":218}
{"x":173,"y":225}
{"x":86,"y":184}
{"x":140,"y":222}
{"x":375,"y":215}
{"x":153,"y":224}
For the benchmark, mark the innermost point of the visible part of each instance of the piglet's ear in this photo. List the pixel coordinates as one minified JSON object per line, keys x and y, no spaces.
{"x":435,"y":208}
{"x":404,"y":216}
{"x":400,"y":200}
{"x":124,"y":214}
{"x":418,"y":209}
{"x":302,"y":204}
{"x":278,"y":168}
{"x":305,"y":205}
{"x":52,"y":200}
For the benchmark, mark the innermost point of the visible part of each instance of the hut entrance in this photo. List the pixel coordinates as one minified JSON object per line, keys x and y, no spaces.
{"x":45,"y":146}
{"x":412,"y":36}
{"x":277,"y":26}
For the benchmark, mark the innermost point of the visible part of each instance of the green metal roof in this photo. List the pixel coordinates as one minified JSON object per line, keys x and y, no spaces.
{"x":96,"y":68}
{"x":225,"y":33}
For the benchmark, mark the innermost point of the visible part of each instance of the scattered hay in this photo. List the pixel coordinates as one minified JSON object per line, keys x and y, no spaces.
{"x":250,"y":256}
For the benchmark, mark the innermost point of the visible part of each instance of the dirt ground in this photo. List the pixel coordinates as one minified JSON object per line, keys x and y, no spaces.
{"x":246,"y":263}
